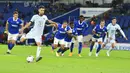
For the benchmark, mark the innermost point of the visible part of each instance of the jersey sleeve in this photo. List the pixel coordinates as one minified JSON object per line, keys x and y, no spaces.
{"x":94,"y":29}
{"x":86,"y":25}
{"x":33,"y":19}
{"x":20,"y":22}
{"x":46,"y":18}
{"x":108,"y":27}
{"x":9,"y":19}
{"x":58,"y":25}
{"x":74,"y":31}
{"x":68,"y":28}
{"x":118,"y":27}
{"x":105,"y":29}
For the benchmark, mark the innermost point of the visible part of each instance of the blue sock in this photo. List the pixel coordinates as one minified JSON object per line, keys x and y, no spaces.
{"x":10,"y":46}
{"x":59,"y":50}
{"x":91,"y":47}
{"x":99,"y":47}
{"x":71,"y":47}
{"x":80,"y":47}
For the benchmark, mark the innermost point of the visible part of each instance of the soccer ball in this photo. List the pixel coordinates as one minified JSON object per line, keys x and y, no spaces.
{"x":30,"y":59}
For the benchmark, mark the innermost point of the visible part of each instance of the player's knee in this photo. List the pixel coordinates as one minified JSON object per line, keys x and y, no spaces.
{"x":9,"y":41}
{"x":103,"y":45}
{"x":55,"y":46}
{"x":13,"y":42}
{"x":38,"y":43}
{"x":22,"y":40}
{"x":62,"y":46}
{"x":113,"y":45}
{"x":100,"y":42}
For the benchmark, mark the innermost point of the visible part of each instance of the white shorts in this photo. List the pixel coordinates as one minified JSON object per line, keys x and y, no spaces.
{"x":108,"y":40}
{"x":32,"y":36}
{"x":73,"y":40}
{"x":60,"y":41}
{"x":80,"y":38}
{"x":97,"y":39}
{"x":12,"y":36}
{"x":67,"y":44}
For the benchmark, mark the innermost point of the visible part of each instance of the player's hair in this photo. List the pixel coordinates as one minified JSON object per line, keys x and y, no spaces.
{"x":102,"y":20}
{"x":81,"y":16}
{"x":15,"y":12}
{"x":41,"y":6}
{"x":65,"y":22}
{"x":113,"y":18}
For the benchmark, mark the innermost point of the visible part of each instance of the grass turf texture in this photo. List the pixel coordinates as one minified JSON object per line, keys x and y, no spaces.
{"x":118,"y":62}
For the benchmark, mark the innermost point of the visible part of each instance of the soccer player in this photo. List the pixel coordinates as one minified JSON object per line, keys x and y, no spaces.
{"x":36,"y":32}
{"x":112,"y":27}
{"x":12,"y":28}
{"x":62,"y":29}
{"x":68,"y":38}
{"x":79,"y":25}
{"x":98,"y":32}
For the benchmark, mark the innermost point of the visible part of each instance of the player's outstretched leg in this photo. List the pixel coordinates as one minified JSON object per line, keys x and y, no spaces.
{"x":110,"y":49}
{"x":80,"y":49}
{"x":52,"y":48}
{"x":91,"y":48}
{"x":98,"y":49}
{"x":63,"y":51}
{"x":10,"y":46}
{"x":71,"y":49}
{"x":38,"y":57}
{"x":58,"y":51}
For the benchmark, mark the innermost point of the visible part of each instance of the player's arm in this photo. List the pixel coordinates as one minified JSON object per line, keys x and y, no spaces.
{"x":108,"y":34}
{"x":69,"y":30}
{"x":51,"y":23}
{"x":94,"y":31}
{"x":121,"y":31}
{"x":6,"y":28}
{"x":21,"y":31}
{"x":27,"y":25}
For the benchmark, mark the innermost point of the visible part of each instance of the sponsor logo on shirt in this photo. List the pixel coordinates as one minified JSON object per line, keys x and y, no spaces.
{"x":79,"y":28}
{"x":61,"y":31}
{"x":14,"y":25}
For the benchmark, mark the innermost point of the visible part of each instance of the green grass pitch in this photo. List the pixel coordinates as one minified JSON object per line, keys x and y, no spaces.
{"x":118,"y":62}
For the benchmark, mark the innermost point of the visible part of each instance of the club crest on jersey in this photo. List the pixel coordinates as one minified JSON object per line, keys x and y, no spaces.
{"x":17,"y":22}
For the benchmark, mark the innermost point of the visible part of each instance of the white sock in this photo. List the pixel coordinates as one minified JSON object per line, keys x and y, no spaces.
{"x":9,"y":50}
{"x":110,"y":49}
{"x":38,"y":52}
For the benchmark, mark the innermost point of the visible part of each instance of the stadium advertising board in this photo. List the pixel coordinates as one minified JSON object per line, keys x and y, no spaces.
{"x":119,"y":46}
{"x":89,"y":12}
